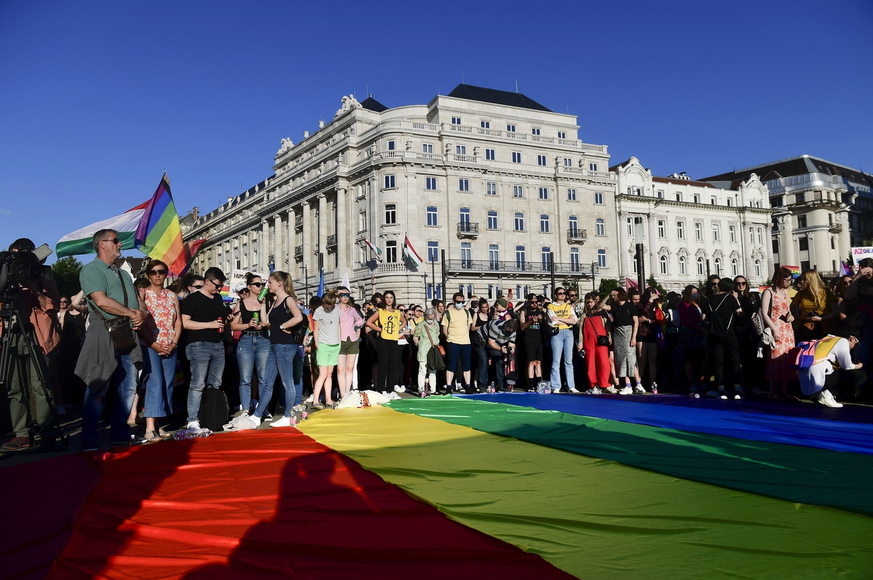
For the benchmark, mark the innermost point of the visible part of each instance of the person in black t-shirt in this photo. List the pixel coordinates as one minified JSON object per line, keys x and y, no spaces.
{"x":722,"y":311}
{"x":204,"y":316}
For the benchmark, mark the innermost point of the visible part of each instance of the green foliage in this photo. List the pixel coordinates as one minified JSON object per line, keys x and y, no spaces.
{"x":66,"y":275}
{"x":570,"y":284}
{"x":656,"y":285}
{"x":607,"y":285}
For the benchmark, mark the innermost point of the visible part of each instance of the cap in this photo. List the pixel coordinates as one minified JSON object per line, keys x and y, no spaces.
{"x":240,"y":286}
{"x":502,"y":302}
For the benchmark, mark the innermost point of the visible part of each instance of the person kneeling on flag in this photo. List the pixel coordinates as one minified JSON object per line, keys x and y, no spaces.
{"x":831,"y":370}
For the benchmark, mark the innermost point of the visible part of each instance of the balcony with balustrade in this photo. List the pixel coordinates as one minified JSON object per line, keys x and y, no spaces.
{"x":468,"y":230}
{"x":577,"y":236}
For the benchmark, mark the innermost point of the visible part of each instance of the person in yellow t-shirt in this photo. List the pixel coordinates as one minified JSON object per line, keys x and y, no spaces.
{"x":456,"y":325}
{"x":562,"y":318}
{"x":390,"y":320}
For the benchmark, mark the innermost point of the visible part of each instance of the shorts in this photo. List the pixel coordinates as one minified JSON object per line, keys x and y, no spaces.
{"x":327,"y":355}
{"x":456,"y":351}
{"x":534,"y":350}
{"x":349,"y":347}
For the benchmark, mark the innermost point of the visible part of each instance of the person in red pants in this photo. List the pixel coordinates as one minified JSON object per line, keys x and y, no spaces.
{"x":594,"y":340}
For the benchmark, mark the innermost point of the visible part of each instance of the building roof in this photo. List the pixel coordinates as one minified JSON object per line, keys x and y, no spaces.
{"x":794,"y":166}
{"x":677,"y":181}
{"x":373,"y":105}
{"x":471,"y":93}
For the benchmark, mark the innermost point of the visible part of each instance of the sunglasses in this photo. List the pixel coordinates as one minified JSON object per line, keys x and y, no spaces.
{"x":345,"y":295}
{"x":741,"y":283}
{"x":214,"y":283}
{"x":534,"y":303}
{"x":64,"y":302}
{"x":257,"y":284}
{"x":198,"y":287}
{"x":461,"y":302}
{"x":113,"y":240}
{"x":573,"y":295}
{"x":157,"y":272}
{"x":559,"y":294}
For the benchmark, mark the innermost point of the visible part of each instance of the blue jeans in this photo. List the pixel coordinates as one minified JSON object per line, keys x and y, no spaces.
{"x":562,"y":344}
{"x":265,"y":386}
{"x":159,"y":385}
{"x":124,"y":381}
{"x":298,"y":374}
{"x":207,"y":367}
{"x":252,"y":353}
{"x":285,"y":354}
{"x":482,"y":358}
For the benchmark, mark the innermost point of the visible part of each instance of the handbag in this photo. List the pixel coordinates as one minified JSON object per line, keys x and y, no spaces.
{"x":602,"y":339}
{"x":119,"y":327}
{"x":298,"y":331}
{"x":435,"y":360}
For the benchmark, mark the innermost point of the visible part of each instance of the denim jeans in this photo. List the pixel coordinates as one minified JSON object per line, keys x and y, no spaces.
{"x":482,"y":359}
{"x":252,"y":353}
{"x":124,"y":381}
{"x":298,"y":374}
{"x":159,"y":385}
{"x":562,"y":344}
{"x":285,"y":354}
{"x":207,"y":367}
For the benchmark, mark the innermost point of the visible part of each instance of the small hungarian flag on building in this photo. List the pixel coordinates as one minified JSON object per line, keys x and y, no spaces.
{"x":410,"y":252}
{"x":376,"y":250}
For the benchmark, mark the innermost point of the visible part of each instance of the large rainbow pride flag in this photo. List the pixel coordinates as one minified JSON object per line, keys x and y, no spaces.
{"x":159,"y":235}
{"x":501,"y":486}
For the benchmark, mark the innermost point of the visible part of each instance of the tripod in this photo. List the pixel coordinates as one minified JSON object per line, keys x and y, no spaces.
{"x":15,"y":335}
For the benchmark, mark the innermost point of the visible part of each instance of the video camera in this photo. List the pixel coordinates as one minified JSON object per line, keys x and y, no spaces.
{"x":26,"y":263}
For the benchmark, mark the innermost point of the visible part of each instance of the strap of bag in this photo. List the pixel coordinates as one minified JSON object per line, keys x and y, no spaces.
{"x":587,"y":318}
{"x":429,"y":337}
{"x":123,"y":289}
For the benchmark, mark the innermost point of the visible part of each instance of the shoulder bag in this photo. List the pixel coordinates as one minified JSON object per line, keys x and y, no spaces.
{"x":119,"y":327}
{"x":435,"y":361}
{"x":602,"y":339}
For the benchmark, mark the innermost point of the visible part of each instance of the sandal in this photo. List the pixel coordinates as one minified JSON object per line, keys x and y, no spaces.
{"x":152,"y":437}
{"x":164,"y":434}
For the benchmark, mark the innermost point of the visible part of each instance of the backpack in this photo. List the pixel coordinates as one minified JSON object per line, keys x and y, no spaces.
{"x":214,"y":409}
{"x":480,"y":337}
{"x":805,"y":354}
{"x":713,"y":323}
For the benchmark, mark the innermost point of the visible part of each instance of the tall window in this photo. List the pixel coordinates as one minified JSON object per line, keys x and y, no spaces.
{"x":574,"y":259}
{"x":717,"y":265}
{"x":683,"y":266}
{"x":568,"y":162}
{"x":490,"y":188}
{"x":757,"y":268}
{"x":598,"y":198}
{"x":574,"y":226}
{"x":701,"y":267}
{"x":732,"y":234}
{"x":680,"y":230}
{"x":464,"y":218}
{"x":517,"y":191}
{"x":601,"y":258}
{"x":760,"y":236}
{"x":535,"y":131}
{"x":391,"y":251}
{"x":510,"y":128}
{"x":390,"y":145}
{"x":460,"y":149}
{"x":735,"y":268}
{"x":698,"y":231}
{"x":520,"y":257}
{"x":547,"y":258}
{"x":485,"y":124}
{"x":427,"y":147}
{"x":662,"y":264}
{"x":362,"y":221}
{"x":716,"y":233}
{"x":463,"y":185}
{"x":456,"y":120}
{"x":492,"y":219}
{"x":600,"y":227}
{"x":432,"y":215}
{"x":389,"y":182}
{"x":433,"y":251}
{"x":466,"y":255}
{"x":494,"y":256}
{"x":544,"y":193}
{"x":562,"y":134}
{"x":592,"y":167}
{"x":390,"y":213}
{"x":544,"y":224}
{"x":430,"y":183}
{"x":662,"y":229}
{"x":490,"y":154}
{"x":519,"y":221}
{"x":571,"y":194}
{"x":516,"y":156}
{"x":541,"y":160}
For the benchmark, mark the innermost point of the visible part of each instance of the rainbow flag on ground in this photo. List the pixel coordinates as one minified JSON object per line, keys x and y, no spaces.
{"x":159,"y":235}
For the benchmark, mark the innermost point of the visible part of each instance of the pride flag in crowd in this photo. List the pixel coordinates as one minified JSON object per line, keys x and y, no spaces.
{"x":159,"y":235}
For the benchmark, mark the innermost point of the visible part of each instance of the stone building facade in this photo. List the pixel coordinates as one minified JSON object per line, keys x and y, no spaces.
{"x":690,"y":229}
{"x":494,"y":192}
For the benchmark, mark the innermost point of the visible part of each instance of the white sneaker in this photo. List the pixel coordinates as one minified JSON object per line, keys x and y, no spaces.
{"x":573,"y":390}
{"x":611,"y":390}
{"x":283,"y":422}
{"x":399,"y":389}
{"x":827,"y":399}
{"x":739,"y":393}
{"x":639,"y":390}
{"x":247,"y":424}
{"x":594,"y":391}
{"x":432,"y":390}
{"x":627,"y":390}
{"x":193,"y":425}
{"x":309,"y":400}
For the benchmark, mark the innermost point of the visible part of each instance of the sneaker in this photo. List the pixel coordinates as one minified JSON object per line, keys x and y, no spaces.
{"x":739,"y":393}
{"x":234,"y":421}
{"x":432,"y":390}
{"x":247,"y":424}
{"x":722,"y":394}
{"x":692,"y":392}
{"x":573,"y":390}
{"x":826,"y":398}
{"x":309,"y":400}
{"x":283,"y":422}
{"x":17,"y":444}
{"x":594,"y":391}
{"x":399,"y":389}
{"x":611,"y":390}
{"x":193,"y":425}
{"x":639,"y":390}
{"x":267,"y":415}
{"x":627,"y":390}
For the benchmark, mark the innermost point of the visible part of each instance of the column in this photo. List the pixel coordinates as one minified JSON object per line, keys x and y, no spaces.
{"x":293,"y":242}
{"x":342,"y":230}
{"x":278,"y":235}
{"x":264,"y":257}
{"x":652,"y":250}
{"x":322,"y":231}
{"x":307,"y":242}
{"x":748,"y":262}
{"x":769,"y":266}
{"x":623,"y":263}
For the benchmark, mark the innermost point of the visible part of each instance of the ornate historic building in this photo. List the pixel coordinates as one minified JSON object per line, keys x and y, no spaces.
{"x":493,"y":191}
{"x":821,"y":209}
{"x":690,"y":229}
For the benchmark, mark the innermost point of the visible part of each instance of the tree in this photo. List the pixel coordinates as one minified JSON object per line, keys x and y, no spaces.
{"x":66,"y":275}
{"x":607,"y":285}
{"x":656,"y":285}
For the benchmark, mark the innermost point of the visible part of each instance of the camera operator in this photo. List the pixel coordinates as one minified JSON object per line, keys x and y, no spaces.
{"x":111,"y":295}
{"x":37,"y":302}
{"x":501,"y":348}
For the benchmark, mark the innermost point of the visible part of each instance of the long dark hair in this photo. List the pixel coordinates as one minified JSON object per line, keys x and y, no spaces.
{"x":779,"y":276}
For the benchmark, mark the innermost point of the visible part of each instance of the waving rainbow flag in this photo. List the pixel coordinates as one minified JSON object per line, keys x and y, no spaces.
{"x":159,"y":235}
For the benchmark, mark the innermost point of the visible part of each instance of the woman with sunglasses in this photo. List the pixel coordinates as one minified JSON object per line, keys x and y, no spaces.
{"x":777,"y":316}
{"x":751,"y":367}
{"x":284,"y":314}
{"x":350,"y":341}
{"x":253,"y":350}
{"x":160,"y":334}
{"x":562,"y":318}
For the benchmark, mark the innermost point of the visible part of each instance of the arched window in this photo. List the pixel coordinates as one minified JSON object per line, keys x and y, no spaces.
{"x":757,"y":268}
{"x":718,"y":266}
{"x":663,"y":264}
{"x":701,"y":267}
{"x":735,"y":268}
{"x":683,"y":266}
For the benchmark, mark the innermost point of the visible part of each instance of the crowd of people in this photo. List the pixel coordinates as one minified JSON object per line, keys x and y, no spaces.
{"x":270,"y":348}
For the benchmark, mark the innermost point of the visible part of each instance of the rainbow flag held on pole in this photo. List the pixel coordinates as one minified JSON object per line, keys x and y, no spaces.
{"x":845,"y":270}
{"x":159,"y":235}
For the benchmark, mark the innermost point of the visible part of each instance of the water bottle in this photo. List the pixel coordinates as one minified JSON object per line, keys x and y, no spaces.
{"x":304,"y":414}
{"x":492,"y":389}
{"x":426,"y":389}
{"x":181,"y":435}
{"x":294,"y":420}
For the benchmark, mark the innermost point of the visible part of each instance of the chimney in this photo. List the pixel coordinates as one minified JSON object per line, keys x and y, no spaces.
{"x":196,"y":212}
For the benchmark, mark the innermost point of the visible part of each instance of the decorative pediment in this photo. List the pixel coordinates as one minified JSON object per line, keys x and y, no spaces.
{"x":664,"y":251}
{"x":701,"y":253}
{"x":682,"y":252}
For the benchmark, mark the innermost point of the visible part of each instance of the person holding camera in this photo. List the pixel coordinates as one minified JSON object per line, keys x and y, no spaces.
{"x":28,"y":372}
{"x":501,"y":347}
{"x":111,"y":350}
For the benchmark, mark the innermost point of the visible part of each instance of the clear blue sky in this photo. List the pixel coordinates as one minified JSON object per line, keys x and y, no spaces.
{"x":98,"y":98}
